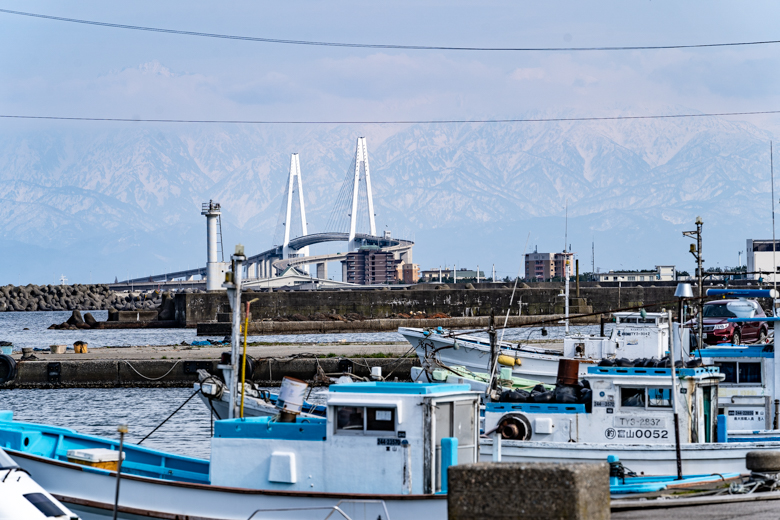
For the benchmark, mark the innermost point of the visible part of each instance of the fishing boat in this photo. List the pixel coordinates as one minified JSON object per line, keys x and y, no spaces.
{"x":257,"y":402}
{"x":628,"y":414}
{"x":381,"y":451}
{"x":22,"y":498}
{"x":634,"y":335}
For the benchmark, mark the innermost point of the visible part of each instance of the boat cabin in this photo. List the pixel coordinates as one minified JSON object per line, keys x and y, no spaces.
{"x":746,"y":394}
{"x":629,"y":406}
{"x":633,"y":336}
{"x":378,"y":437}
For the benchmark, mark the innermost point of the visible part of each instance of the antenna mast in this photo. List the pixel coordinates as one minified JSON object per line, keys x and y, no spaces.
{"x":566,"y":225}
{"x":774,"y":244}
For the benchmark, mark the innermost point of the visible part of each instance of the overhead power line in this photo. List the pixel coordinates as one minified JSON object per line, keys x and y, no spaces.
{"x":379,"y":45}
{"x":388,"y":122}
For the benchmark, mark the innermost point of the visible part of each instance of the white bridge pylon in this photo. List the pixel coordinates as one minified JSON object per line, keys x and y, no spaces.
{"x":294,"y":183}
{"x":362,"y":172}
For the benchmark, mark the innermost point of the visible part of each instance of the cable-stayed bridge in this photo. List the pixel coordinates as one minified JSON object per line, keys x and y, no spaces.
{"x":352,"y":220}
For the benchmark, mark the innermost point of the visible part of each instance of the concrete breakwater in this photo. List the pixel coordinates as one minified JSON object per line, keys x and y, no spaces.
{"x":192,"y":309}
{"x":124,"y":373}
{"x":376,"y":325}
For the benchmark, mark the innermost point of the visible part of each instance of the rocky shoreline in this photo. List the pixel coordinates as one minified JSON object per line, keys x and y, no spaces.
{"x":76,"y":297}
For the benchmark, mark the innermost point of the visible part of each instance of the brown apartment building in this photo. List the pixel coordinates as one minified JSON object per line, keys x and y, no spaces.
{"x":370,"y":266}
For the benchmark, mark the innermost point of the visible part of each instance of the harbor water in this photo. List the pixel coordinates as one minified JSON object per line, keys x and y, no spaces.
{"x":30,"y":329}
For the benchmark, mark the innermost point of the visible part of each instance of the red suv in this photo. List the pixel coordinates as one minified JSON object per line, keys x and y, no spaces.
{"x":718,"y":330}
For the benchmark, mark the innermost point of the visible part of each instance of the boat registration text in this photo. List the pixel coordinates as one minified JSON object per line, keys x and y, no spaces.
{"x":640,"y":422}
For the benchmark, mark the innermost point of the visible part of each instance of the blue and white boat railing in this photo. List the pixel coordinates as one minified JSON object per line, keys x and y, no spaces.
{"x":623,"y":481}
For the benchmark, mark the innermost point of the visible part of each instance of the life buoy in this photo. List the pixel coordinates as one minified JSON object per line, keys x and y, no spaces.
{"x":7,"y":369}
{"x":515,"y":427}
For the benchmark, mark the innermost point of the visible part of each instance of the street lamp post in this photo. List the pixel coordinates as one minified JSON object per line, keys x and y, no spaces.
{"x":696,"y":252}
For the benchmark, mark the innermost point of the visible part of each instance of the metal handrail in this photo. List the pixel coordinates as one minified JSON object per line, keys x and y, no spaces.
{"x":332,"y":509}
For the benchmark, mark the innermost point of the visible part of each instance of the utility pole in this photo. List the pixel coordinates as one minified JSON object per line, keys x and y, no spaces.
{"x":696,"y":252}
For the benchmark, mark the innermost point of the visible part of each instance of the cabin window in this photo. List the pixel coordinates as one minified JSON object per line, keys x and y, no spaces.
{"x":750,"y":373}
{"x":380,"y":419}
{"x":349,"y":418}
{"x":729,"y":369}
{"x":632,"y":397}
{"x":659,"y":398}
{"x":645,"y":397}
{"x":44,"y":505}
{"x":740,"y":372}
{"x":364,"y":419}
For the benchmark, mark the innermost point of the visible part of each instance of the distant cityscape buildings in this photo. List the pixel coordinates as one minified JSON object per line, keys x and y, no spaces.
{"x":662,"y":273}
{"x":410,"y":273}
{"x":451,"y":274}
{"x":761,"y":259}
{"x":548,"y":266}
{"x":371,"y":266}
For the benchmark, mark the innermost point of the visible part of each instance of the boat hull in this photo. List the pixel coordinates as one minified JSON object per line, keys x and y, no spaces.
{"x":474,"y":354}
{"x":91,"y":492}
{"x":647,"y":459}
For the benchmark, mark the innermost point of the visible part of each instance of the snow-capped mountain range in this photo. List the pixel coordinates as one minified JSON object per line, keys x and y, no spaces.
{"x":95,"y":202}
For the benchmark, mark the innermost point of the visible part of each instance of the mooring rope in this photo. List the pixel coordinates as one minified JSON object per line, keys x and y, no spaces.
{"x":152,"y":378}
{"x":166,"y":419}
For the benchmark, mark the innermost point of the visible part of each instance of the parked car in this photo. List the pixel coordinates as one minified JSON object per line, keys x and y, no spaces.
{"x":717,"y":329}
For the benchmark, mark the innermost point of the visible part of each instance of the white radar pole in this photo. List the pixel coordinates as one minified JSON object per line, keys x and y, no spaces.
{"x":233,"y":285}
{"x":362,"y":171}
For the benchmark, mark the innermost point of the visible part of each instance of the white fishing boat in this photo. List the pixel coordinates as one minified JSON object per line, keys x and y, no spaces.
{"x":630,"y":417}
{"x":257,"y":402}
{"x":634,"y":335}
{"x":21,"y":498}
{"x":383,"y":445}
{"x":382,"y":451}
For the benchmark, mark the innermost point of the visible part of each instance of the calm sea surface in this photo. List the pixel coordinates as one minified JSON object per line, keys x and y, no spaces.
{"x":13,"y":325}
{"x":97,"y":411}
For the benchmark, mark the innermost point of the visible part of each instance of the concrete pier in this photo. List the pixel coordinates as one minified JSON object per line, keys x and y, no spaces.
{"x":177,"y":366}
{"x":536,"y":491}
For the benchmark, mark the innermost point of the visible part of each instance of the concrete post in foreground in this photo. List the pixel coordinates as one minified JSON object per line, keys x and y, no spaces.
{"x":520,"y":490}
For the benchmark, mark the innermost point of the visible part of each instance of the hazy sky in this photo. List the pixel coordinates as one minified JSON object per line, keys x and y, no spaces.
{"x":56,"y":68}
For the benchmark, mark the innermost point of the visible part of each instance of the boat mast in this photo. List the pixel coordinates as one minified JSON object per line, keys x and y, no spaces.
{"x":493,"y":353}
{"x":566,"y":264}
{"x":674,"y":398}
{"x":233,"y":286}
{"x":774,"y":246}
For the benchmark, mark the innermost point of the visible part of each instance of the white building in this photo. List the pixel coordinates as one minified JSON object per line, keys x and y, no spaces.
{"x":662,"y":273}
{"x":759,"y":260}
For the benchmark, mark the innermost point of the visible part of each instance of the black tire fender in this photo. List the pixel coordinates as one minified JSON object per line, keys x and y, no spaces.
{"x":7,"y":369}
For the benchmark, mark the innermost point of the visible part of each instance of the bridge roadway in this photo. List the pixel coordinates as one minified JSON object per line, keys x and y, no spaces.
{"x":270,"y":262}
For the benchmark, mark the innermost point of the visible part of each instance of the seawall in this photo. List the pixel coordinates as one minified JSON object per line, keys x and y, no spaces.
{"x":192,"y":309}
